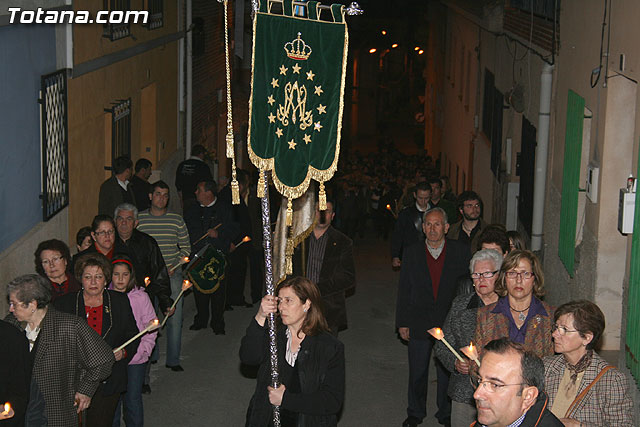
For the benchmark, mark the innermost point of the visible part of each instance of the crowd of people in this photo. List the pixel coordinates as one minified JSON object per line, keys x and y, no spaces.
{"x":71,"y":327}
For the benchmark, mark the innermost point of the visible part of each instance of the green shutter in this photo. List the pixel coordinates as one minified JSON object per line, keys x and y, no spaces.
{"x":633,"y":314}
{"x":570,"y":180}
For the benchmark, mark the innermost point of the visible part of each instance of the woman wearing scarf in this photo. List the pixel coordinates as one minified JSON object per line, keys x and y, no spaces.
{"x":584,"y":390}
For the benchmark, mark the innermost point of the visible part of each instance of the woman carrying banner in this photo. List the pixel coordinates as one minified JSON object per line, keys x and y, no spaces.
{"x":311,"y":361}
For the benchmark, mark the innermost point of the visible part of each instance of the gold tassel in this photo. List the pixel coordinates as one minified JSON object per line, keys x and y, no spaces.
{"x":289,"y":213}
{"x":322,"y":198}
{"x":288,"y":257}
{"x":229,"y":139}
{"x":260,"y":189}
{"x":235,"y":192}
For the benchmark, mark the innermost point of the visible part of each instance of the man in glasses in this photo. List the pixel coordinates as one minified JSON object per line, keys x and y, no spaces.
{"x":510,"y":388}
{"x":468,"y":228}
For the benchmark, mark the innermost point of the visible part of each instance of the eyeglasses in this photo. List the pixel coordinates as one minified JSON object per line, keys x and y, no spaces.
{"x":105,"y":233}
{"x":489,"y":385}
{"x":520,"y":274}
{"x":486,"y":275}
{"x":50,"y":262}
{"x":15,"y":304}
{"x":562,"y":330}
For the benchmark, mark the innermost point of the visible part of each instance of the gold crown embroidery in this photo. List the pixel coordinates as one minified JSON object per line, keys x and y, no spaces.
{"x":297,"y":49}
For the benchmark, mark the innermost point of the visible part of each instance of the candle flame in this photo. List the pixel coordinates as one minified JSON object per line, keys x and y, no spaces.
{"x":147,"y":280}
{"x":186,"y":285}
{"x":186,"y":259}
{"x":7,"y":407}
{"x":471,"y":346}
{"x":436,"y":333}
{"x":389,"y":207}
{"x":246,"y":239}
{"x":155,"y":321}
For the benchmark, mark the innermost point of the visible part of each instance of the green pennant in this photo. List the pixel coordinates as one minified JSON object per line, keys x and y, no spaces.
{"x":297,"y":92}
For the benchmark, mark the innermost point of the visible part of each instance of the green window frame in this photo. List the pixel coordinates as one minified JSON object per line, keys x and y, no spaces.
{"x":571,"y":181}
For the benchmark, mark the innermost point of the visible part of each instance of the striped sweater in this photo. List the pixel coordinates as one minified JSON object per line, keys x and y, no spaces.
{"x":170,"y":232}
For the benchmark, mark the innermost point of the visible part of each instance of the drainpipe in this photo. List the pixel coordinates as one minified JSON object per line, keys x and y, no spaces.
{"x":540,"y":174}
{"x":189,"y":77}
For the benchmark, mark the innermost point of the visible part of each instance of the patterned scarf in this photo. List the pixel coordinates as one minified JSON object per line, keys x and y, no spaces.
{"x":579,"y":367}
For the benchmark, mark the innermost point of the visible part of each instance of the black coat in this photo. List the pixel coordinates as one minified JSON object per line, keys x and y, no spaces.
{"x":112,"y":194}
{"x":538,"y":415}
{"x":188,"y":174}
{"x":147,"y":261}
{"x":199,"y":219}
{"x":416,"y":307}
{"x":337,"y":275}
{"x":407,"y":231}
{"x":15,"y":372}
{"x":118,"y":326}
{"x":321,"y":373}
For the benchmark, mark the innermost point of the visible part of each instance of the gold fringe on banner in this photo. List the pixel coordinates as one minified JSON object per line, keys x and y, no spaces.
{"x":260,"y":188}
{"x":288,"y":257}
{"x":289,"y":213}
{"x":322,"y":198}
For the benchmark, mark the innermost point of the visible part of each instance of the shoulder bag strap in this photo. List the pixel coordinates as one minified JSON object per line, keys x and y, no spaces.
{"x":584,"y":392}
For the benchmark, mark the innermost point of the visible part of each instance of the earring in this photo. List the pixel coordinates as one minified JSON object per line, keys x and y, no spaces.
{"x":304,"y":310}
{"x":33,"y":310}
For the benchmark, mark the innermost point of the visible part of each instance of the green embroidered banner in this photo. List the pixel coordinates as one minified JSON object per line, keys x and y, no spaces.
{"x":297,"y":90}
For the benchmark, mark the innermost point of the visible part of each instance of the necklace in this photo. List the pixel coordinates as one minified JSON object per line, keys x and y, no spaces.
{"x":521,"y":315}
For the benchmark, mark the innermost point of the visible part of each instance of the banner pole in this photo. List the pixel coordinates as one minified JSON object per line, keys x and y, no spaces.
{"x":268,"y":271}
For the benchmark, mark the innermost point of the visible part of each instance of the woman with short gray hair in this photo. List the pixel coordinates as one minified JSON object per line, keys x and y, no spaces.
{"x":459,"y":329}
{"x":69,"y":358}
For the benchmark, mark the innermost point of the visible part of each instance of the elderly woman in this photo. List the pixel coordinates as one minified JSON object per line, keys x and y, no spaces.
{"x":583,"y":389}
{"x":459,"y":328}
{"x":311,"y":360}
{"x":69,"y":358}
{"x":109,"y":314}
{"x":52,"y":259}
{"x":518,"y":314}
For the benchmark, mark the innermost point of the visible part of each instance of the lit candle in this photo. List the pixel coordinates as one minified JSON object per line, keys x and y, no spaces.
{"x":471,"y":352}
{"x":147,"y":281}
{"x":180,"y":262}
{"x":439,"y":335}
{"x":152,"y":326}
{"x":245,"y":239}
{"x":7,"y":413}
{"x":185,"y":285}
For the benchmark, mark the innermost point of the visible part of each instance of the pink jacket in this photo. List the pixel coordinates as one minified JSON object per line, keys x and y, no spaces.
{"x":144,"y":313}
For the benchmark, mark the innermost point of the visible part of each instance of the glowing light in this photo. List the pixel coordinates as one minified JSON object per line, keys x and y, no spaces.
{"x":420,"y":52}
{"x":7,"y":407}
{"x":395,"y":45}
{"x":417,"y":48}
{"x":147,"y":281}
{"x":384,"y":32}
{"x":373,"y":50}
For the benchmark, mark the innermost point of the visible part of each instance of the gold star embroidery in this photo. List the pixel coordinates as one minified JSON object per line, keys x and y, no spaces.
{"x":310,"y":75}
{"x":279,"y":132}
{"x":283,"y":70}
{"x":296,"y":69}
{"x":292,"y":145}
{"x":317,"y":126}
{"x":318,"y":90}
{"x":272,"y":118}
{"x":274,"y":83}
{"x":307,"y":139}
{"x":322,"y":109}
{"x":270,"y":100}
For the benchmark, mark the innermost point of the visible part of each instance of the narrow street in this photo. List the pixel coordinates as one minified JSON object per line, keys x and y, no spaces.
{"x":214,"y":390}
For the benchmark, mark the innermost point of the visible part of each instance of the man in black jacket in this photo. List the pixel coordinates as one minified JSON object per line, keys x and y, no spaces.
{"x":117,"y":189}
{"x":408,"y":229}
{"x":428,"y":280}
{"x":326,"y":258}
{"x":510,"y":388}
{"x":191,"y":172}
{"x":213,"y":218}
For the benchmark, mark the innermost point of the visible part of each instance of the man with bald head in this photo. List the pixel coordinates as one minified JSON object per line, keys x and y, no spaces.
{"x":428,"y":278}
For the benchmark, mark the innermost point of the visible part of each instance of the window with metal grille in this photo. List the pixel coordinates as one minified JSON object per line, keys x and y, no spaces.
{"x":570,"y":181}
{"x":55,"y":170}
{"x":543,"y":8}
{"x":156,"y":14}
{"x":120,"y":129}
{"x":117,"y":31}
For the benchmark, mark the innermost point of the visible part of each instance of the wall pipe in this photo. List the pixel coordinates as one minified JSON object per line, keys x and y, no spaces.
{"x":542,"y":149}
{"x":189,"y":77}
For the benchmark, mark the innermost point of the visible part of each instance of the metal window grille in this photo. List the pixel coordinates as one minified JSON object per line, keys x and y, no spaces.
{"x":120,"y":128}
{"x":542,"y":8}
{"x":156,"y":14}
{"x":55,"y":168}
{"x":117,"y":31}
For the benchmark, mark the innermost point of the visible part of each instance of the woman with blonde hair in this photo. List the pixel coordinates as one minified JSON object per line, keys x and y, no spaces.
{"x":311,"y":360}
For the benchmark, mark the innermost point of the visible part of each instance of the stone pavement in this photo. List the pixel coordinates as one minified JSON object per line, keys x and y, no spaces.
{"x":214,"y":390}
